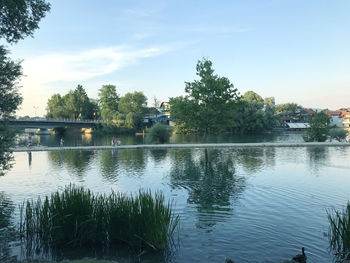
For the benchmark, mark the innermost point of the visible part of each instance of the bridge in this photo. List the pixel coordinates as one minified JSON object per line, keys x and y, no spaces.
{"x":43,"y":124}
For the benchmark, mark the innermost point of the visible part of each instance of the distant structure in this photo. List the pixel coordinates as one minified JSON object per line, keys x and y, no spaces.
{"x":158,"y":115}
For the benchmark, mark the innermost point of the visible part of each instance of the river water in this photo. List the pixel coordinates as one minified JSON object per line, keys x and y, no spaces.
{"x":250,"y":205}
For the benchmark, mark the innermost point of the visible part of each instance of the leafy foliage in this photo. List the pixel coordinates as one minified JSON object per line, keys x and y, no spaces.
{"x":287,"y":107}
{"x":133,"y":106}
{"x":210,"y":101}
{"x":159,"y":133}
{"x":11,"y":71}
{"x":19,"y":18}
{"x":319,"y":128}
{"x":108,"y":101}
{"x":253,"y":114}
{"x":338,"y":134}
{"x":75,"y":104}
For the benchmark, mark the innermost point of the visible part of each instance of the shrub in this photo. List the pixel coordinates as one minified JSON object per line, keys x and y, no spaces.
{"x":78,"y":218}
{"x":319,"y":128}
{"x":159,"y":133}
{"x":339,"y":230}
{"x":338,"y":134}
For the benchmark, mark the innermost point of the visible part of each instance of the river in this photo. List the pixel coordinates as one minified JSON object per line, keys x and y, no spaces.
{"x":250,"y":205}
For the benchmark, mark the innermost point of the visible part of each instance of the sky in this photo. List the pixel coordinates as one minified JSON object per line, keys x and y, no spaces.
{"x":294,"y":50}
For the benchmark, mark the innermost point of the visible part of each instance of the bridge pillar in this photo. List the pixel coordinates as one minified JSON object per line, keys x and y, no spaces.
{"x":42,"y":131}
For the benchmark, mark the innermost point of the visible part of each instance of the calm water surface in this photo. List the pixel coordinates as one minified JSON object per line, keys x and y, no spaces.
{"x":78,"y":139}
{"x":251,"y":205}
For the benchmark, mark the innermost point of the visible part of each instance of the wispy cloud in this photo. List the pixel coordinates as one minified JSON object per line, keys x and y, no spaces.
{"x":218,"y":29}
{"x":43,"y":72}
{"x":86,"y":64}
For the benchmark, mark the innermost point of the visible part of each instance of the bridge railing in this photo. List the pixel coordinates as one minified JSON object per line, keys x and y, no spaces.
{"x":60,"y":120}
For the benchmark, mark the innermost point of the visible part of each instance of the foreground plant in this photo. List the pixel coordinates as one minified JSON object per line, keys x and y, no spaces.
{"x":78,"y":218}
{"x":339,"y":230}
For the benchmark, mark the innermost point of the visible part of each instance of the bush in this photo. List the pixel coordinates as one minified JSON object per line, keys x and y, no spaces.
{"x":339,"y":230}
{"x":338,"y":134}
{"x":319,"y":128}
{"x":159,"y":133}
{"x":78,"y":218}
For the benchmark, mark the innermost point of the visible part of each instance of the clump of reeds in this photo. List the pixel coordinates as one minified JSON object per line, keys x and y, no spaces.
{"x":339,"y":230}
{"x":78,"y":218}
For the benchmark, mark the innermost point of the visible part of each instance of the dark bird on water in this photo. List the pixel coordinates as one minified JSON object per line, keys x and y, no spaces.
{"x":301,"y":258}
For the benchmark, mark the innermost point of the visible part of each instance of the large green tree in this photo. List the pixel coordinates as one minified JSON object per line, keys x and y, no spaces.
{"x":18,"y":19}
{"x":211,"y":99}
{"x":56,"y":108}
{"x":132,"y":105}
{"x":253,"y":114}
{"x":108,"y":100}
{"x":75,"y":104}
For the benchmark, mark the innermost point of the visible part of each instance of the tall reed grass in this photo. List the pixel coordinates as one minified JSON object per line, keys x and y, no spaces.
{"x":339,"y":230}
{"x":78,"y":218}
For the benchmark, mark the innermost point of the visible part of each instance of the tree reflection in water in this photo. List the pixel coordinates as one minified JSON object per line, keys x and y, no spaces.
{"x":131,"y":161}
{"x":158,"y":155}
{"x":318,"y":156}
{"x":76,"y":161}
{"x":7,"y":230}
{"x":210,"y":179}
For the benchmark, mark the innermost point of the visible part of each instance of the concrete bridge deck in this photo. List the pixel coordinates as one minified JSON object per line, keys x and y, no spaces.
{"x":181,"y":146}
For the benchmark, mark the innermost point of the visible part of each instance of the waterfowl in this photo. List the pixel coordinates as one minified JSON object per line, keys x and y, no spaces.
{"x":301,"y":258}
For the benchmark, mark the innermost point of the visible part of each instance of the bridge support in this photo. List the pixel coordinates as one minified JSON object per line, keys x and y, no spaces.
{"x":42,"y":131}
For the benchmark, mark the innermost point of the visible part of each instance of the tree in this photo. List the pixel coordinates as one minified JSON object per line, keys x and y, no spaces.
{"x":338,"y":134}
{"x":133,"y":106}
{"x":108,"y":101}
{"x":159,"y":133}
{"x":56,"y":108}
{"x":319,"y":128}
{"x":211,"y":98}
{"x":10,"y":72}
{"x":18,"y":19}
{"x":75,"y":104}
{"x":287,"y":107}
{"x":253,"y":114}
{"x":83,"y":106}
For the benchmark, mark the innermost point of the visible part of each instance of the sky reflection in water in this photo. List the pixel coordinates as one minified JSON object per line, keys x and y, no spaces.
{"x":252,"y":205}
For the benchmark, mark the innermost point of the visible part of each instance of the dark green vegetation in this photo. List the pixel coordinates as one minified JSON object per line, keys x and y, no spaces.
{"x":74,"y":105}
{"x":120,"y":114}
{"x":338,"y":134}
{"x":159,"y":133}
{"x":339,"y":230}
{"x":319,"y":128}
{"x":213,"y":105}
{"x":18,"y":19}
{"x":78,"y":218}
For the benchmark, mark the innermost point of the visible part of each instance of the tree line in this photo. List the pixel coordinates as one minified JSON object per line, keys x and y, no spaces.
{"x":124,"y":112}
{"x":212,"y":105}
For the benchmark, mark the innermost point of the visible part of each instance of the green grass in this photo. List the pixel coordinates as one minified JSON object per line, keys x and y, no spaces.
{"x":339,"y":230}
{"x":78,"y":218}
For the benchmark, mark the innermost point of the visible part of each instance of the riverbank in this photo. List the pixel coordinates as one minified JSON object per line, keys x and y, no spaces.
{"x":190,"y":145}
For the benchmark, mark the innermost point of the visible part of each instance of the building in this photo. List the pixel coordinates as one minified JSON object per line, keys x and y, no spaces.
{"x":346,"y":119}
{"x":336,"y":118}
{"x":161,"y":115}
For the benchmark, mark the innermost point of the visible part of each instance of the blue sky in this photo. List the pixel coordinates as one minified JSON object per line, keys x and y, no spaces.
{"x":294,"y":50}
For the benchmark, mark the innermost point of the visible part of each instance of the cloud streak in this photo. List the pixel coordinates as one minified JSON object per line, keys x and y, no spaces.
{"x":84,"y":65}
